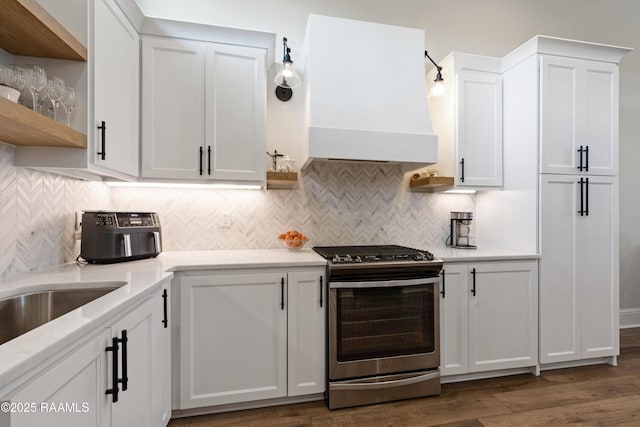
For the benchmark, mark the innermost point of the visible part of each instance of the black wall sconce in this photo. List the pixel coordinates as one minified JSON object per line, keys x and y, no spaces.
{"x":438,"y":87}
{"x":286,"y":78}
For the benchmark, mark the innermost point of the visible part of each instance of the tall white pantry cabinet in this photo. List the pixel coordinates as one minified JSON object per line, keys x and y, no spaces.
{"x":561,"y":96}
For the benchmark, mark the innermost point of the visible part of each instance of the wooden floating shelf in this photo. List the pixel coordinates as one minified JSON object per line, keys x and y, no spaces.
{"x":22,"y":126}
{"x":27,"y":29}
{"x":431,"y":183}
{"x":282,"y":180}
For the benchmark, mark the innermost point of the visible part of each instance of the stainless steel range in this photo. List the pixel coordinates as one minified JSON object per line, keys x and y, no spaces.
{"x":383,"y":323}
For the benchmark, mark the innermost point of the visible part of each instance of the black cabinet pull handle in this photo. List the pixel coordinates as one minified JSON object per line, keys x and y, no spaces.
{"x":103,"y":152}
{"x":165,"y":320}
{"x":473,"y":276}
{"x":580,"y":150}
{"x":200,"y":167}
{"x":462,"y":164}
{"x":125,"y":378}
{"x":321,"y":291}
{"x":586,"y":212}
{"x":282,"y":293}
{"x":113,"y":348}
{"x":581,"y":211}
{"x":586,"y":154}
{"x":442,"y":292}
{"x":209,"y":160}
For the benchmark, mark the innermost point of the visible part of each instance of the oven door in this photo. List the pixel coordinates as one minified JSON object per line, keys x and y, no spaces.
{"x":383,"y":327}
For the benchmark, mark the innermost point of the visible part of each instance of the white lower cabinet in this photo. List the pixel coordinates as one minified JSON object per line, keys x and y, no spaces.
{"x":488,"y":316}
{"x":247,"y":335}
{"x":72,"y":391}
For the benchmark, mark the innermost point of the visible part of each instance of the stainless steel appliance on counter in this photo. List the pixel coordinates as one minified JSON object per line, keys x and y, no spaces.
{"x":460,"y":230}
{"x":383,"y":324}
{"x":109,"y":237}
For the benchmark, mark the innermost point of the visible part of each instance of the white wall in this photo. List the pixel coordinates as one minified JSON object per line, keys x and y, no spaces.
{"x":485,"y":27}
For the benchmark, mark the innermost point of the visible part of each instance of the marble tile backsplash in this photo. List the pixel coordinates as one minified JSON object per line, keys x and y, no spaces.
{"x":37,"y":215}
{"x":335,"y":204}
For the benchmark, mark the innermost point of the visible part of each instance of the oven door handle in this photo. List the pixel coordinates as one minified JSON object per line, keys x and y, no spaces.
{"x":361,"y":385}
{"x":384,"y":283}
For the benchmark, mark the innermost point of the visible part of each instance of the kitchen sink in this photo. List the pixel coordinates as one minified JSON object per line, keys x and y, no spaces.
{"x":21,"y":313}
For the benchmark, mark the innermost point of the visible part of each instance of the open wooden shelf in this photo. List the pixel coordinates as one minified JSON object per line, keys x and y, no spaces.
{"x":22,"y":126}
{"x":431,"y":183}
{"x":27,"y":29}
{"x":282,"y":180}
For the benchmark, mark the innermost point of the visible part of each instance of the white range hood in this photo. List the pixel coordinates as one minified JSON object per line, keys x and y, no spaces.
{"x":366,"y":97}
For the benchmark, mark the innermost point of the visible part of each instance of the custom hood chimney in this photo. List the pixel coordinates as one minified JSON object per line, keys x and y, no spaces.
{"x":366,"y":97}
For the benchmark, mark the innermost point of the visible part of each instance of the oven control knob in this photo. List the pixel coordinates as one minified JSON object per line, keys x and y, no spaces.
{"x":358,"y":259}
{"x":420,"y":256}
{"x":348,"y":259}
{"x":336,"y":259}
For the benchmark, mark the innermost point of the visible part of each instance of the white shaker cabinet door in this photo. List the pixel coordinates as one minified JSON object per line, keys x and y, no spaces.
{"x":115,"y":63}
{"x":578,"y":116}
{"x":559,"y":292}
{"x":454,"y":320}
{"x":503,"y":316}
{"x":597,"y":269}
{"x":79,"y":380}
{"x":235,"y":112}
{"x":479,"y":129}
{"x":233,"y":338}
{"x":135,"y":404}
{"x":306,"y":332}
{"x":173,"y":102}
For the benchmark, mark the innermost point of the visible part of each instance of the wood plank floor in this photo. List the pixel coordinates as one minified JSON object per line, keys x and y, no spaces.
{"x":599,"y":395}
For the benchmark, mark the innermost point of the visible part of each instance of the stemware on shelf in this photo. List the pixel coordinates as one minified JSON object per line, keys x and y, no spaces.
{"x":68,"y":102}
{"x":55,"y":92}
{"x":36,"y":79}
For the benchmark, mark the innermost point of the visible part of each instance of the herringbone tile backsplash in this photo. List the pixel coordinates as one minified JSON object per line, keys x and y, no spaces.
{"x":37,"y":215}
{"x":336,"y":204}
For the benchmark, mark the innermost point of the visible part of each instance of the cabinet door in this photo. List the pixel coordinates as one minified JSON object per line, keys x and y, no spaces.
{"x":134,"y":405}
{"x":78,"y":381}
{"x":454,"y":320}
{"x":579,"y":108}
{"x":115,"y":68}
{"x":559,"y":293}
{"x":597,"y":256}
{"x":233,"y":338}
{"x":161,"y":357}
{"x":173,"y":105}
{"x":306,"y":333}
{"x":479,"y":129}
{"x":599,"y":129}
{"x":503,"y":316}
{"x":235,"y":112}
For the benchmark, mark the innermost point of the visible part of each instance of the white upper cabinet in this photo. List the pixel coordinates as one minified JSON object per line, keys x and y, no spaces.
{"x":468,"y":121}
{"x":115,"y":65}
{"x":579,"y":116}
{"x":107,"y":88}
{"x":203,"y":110}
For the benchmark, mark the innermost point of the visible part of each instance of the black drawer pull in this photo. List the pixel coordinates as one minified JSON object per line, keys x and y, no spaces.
{"x":282,"y":293}
{"x":443,"y":292}
{"x":125,"y":378}
{"x":321,"y":291}
{"x":165,"y":320}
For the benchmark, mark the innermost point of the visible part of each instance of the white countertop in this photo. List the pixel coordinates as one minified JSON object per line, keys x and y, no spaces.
{"x":138,"y":279}
{"x":141,"y":278}
{"x":448,"y":254}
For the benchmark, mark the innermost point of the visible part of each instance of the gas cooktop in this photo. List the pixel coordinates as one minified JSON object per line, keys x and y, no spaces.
{"x":372,"y":253}
{"x":390,"y":261}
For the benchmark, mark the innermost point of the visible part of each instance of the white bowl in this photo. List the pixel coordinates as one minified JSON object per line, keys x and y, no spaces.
{"x":10,"y":93}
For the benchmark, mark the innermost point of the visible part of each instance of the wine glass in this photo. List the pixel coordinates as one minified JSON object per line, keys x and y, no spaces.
{"x":55,"y":92}
{"x":36,"y":79}
{"x":16,"y":77}
{"x":68,"y":101}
